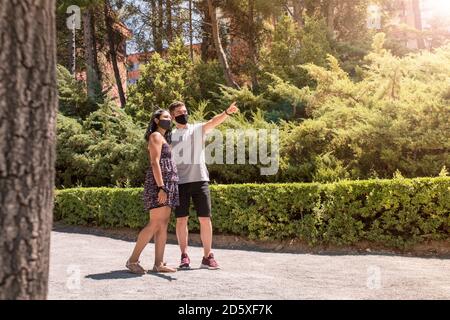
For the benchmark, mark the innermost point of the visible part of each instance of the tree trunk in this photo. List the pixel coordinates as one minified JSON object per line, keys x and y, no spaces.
{"x":28,"y":103}
{"x":298,"y":11}
{"x":207,"y":46}
{"x":251,"y":41}
{"x":218,"y":45}
{"x":169,"y":26}
{"x":156,"y":26}
{"x":160,"y":20}
{"x":92,"y":70}
{"x":418,"y":23}
{"x":94,"y":49}
{"x":191,"y":32}
{"x":72,"y":52}
{"x":113,"y":52}
{"x":330,"y":16}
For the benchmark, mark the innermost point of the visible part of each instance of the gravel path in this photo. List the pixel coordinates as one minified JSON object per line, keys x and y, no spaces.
{"x":84,"y":266}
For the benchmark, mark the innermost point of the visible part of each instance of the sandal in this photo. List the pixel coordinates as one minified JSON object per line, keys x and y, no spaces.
{"x":135,"y":267}
{"x":163,"y":268}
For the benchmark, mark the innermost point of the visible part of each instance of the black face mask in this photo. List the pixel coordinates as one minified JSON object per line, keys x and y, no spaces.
{"x":182,"y":118}
{"x":165,"y":124}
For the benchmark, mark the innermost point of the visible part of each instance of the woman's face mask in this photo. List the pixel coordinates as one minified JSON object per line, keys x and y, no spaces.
{"x":165,"y":124}
{"x":182,"y":118}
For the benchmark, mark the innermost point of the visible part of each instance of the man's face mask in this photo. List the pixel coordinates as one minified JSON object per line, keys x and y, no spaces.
{"x":182,"y":118}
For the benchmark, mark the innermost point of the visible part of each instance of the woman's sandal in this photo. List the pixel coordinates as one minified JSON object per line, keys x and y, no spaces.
{"x":163,"y":268}
{"x":135,"y":267}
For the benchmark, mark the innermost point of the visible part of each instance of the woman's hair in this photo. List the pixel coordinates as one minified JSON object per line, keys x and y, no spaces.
{"x":153,"y":126}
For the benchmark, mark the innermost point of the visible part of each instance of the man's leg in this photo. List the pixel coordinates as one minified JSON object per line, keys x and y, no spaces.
{"x":182,"y":215}
{"x":202,"y":202}
{"x":182,"y":233}
{"x":206,"y":234}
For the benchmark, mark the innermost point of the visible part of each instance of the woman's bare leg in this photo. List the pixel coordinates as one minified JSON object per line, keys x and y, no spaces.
{"x":161,"y":237}
{"x":148,"y":232}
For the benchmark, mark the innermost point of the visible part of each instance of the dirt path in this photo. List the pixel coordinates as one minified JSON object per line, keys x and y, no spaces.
{"x":85,"y":266}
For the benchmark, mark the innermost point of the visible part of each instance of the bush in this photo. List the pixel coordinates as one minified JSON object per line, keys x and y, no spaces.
{"x":396,"y":213}
{"x":73,"y":99}
{"x":106,"y":149}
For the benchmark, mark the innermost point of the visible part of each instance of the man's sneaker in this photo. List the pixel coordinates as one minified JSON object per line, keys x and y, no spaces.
{"x":209,"y":263}
{"x":185,"y":262}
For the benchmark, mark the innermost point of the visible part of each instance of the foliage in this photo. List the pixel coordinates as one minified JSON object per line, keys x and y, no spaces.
{"x":73,"y":99}
{"x":395,"y":118}
{"x":162,"y":81}
{"x":106,"y":149}
{"x":395,"y":213}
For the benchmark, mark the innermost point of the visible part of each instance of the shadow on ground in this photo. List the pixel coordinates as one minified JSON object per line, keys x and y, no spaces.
{"x":116,"y":274}
{"x":125,"y":274}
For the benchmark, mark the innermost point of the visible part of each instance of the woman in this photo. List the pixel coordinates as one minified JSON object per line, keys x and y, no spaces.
{"x":160,"y":192}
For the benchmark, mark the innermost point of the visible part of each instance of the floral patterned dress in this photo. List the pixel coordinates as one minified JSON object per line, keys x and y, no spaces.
{"x":170,"y":178}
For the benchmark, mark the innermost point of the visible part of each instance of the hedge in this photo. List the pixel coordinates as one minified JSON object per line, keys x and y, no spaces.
{"x":396,"y":213}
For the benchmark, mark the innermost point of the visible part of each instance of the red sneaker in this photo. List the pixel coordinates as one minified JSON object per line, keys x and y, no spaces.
{"x":209,"y":263}
{"x":185,"y":262}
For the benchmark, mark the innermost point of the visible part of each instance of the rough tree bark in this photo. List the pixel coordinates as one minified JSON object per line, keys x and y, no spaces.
{"x":169,"y":26}
{"x":158,"y":37}
{"x":208,"y":51}
{"x":330,"y":16}
{"x":109,"y":21}
{"x":298,"y":11}
{"x":418,"y":23}
{"x":28,"y":103}
{"x":252,"y":45}
{"x":191,"y":32}
{"x":92,"y":69}
{"x":218,"y":45}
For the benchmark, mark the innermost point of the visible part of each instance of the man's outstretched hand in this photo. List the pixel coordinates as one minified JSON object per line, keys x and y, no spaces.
{"x":232,"y":108}
{"x":220,"y":118}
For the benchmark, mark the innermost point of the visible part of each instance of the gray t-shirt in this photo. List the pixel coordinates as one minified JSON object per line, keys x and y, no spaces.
{"x":188,"y":150}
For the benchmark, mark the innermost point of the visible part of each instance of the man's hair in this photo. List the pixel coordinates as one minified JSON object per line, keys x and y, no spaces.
{"x":175,"y":105}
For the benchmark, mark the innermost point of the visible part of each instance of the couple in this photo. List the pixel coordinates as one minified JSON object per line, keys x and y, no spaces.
{"x":170,"y":184}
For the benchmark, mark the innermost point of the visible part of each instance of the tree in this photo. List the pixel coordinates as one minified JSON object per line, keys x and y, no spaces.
{"x":218,"y":45}
{"x":395,"y":118}
{"x":207,"y":46}
{"x":297,"y":13}
{"x":93,"y":74}
{"x":191,"y":31}
{"x":161,"y":82}
{"x":157,"y":23}
{"x":28,"y":103}
{"x":418,"y":23}
{"x":315,"y":44}
{"x":249,"y":23}
{"x":113,"y":46}
{"x":281,"y":55}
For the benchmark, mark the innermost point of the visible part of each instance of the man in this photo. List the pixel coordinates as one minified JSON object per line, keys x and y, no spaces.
{"x":187,"y":148}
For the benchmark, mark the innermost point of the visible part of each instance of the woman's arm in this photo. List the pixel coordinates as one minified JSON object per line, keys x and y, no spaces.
{"x":154,"y":147}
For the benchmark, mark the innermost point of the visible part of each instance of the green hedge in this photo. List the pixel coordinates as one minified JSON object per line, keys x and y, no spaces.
{"x":395,"y":213}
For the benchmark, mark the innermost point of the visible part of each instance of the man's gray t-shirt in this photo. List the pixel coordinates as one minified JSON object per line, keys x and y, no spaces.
{"x":189,"y":153}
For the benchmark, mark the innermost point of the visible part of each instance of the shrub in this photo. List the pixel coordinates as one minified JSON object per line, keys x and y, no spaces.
{"x":397,"y":213}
